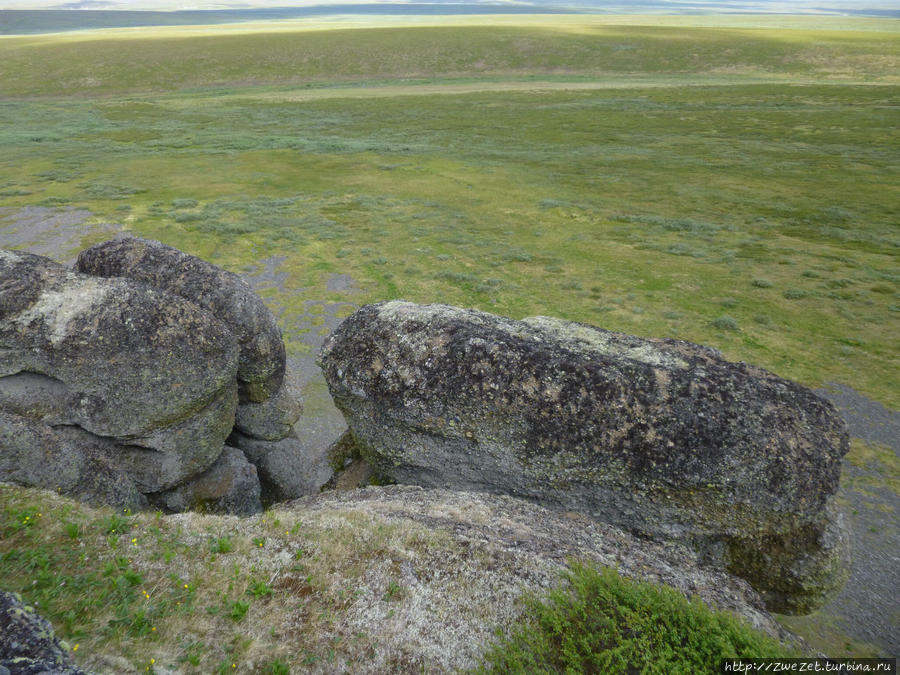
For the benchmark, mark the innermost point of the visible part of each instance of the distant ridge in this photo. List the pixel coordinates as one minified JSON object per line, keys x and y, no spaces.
{"x":79,"y":16}
{"x":18,"y":22}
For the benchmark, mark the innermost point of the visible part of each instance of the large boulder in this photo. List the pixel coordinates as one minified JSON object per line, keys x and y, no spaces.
{"x":662,"y":437}
{"x":128,"y":363}
{"x":223,"y":294}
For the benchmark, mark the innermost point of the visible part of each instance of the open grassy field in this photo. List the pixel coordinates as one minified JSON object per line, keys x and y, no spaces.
{"x":735,"y":186}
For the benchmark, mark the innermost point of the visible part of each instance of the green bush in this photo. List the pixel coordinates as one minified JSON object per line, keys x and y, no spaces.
{"x":600,"y":622}
{"x":725,"y":322}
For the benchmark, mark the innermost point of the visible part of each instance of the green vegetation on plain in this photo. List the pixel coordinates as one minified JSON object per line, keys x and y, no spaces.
{"x":753,"y":206}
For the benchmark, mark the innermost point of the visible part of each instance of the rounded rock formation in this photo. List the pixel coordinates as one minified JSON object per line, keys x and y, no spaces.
{"x":224,"y":294}
{"x":662,"y":437}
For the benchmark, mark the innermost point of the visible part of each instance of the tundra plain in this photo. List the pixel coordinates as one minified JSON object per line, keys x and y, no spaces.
{"x":735,"y":186}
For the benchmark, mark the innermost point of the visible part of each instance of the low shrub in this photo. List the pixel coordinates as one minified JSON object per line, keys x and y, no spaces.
{"x":600,"y":622}
{"x":725,"y":322}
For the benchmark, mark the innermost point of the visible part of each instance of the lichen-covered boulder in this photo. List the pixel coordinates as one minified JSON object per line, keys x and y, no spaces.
{"x":223,"y":294}
{"x":231,"y":485}
{"x":148,"y":370}
{"x":663,"y":437}
{"x":272,"y":419}
{"x":28,"y":645}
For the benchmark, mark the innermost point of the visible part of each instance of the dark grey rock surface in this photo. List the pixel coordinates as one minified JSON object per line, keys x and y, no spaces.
{"x":231,"y":485}
{"x":122,"y":361}
{"x":663,"y":437}
{"x":28,"y":645}
{"x":67,"y":459}
{"x":225,"y":295}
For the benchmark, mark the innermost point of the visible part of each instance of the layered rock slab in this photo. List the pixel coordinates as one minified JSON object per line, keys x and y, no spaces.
{"x":66,"y":459}
{"x":126,"y":363}
{"x":225,"y":295}
{"x":464,"y":560}
{"x":663,"y":437}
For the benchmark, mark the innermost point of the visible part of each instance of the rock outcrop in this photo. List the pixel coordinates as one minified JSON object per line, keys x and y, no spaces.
{"x":28,"y":645}
{"x":114,"y":388}
{"x":662,"y":437}
{"x":464,"y":559}
{"x":221,"y":293}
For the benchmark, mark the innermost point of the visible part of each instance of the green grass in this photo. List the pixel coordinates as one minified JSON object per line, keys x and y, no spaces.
{"x":636,"y":209}
{"x":157,"y":60}
{"x":148,"y":593}
{"x":602,"y":623}
{"x":145,"y":589}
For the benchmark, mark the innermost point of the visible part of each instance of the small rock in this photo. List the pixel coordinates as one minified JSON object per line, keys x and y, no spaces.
{"x":28,"y":644}
{"x":231,"y":485}
{"x":272,"y":419}
{"x":286,"y":468}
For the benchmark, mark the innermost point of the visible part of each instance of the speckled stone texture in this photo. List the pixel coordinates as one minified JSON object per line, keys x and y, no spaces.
{"x":482,"y":553}
{"x":130,"y":365}
{"x":662,"y":437}
{"x":122,"y":380}
{"x":28,"y":645}
{"x":225,"y":295}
